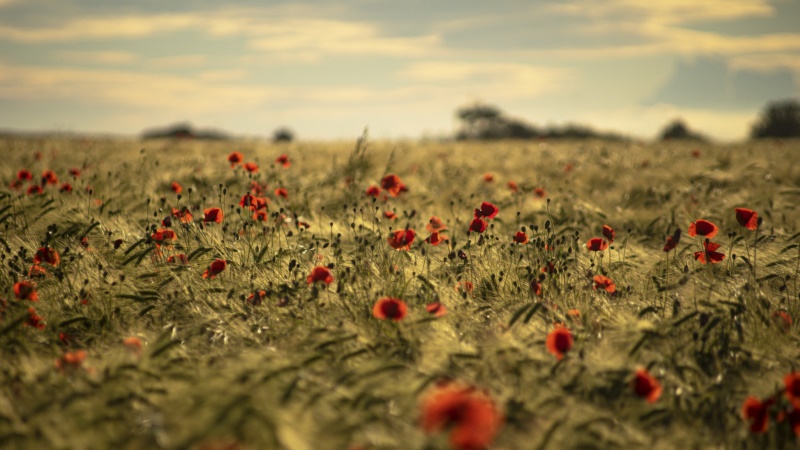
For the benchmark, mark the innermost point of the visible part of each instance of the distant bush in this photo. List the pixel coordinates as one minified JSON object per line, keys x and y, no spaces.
{"x":779,"y":119}
{"x":183,"y":131}
{"x":677,"y":130}
{"x":283,"y":134}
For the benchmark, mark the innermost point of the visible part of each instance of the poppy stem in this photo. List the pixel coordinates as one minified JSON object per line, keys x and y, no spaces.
{"x":755,"y":255}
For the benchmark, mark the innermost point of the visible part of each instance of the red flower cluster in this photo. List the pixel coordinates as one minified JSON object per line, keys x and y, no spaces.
{"x":757,"y":411}
{"x":486,"y":211}
{"x":470,"y":414}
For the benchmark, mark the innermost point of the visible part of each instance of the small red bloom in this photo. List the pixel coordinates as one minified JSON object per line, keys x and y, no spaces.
{"x":320,"y":273}
{"x":85,"y":242}
{"x":402,"y":239}
{"x":235,"y":158}
{"x":34,"y":189}
{"x":487,"y":210}
{"x":49,"y":177}
{"x":71,"y":360}
{"x":48,"y":255}
{"x":163,"y":236}
{"x":709,"y":254}
{"x":133,"y":344}
{"x":470,"y":414}
{"x":646,"y":386}
{"x":436,"y":308}
{"x":757,"y":411}
{"x":703,"y":228}
{"x":747,"y":218}
{"x":672,"y":241}
{"x":184,"y":215}
{"x":284,"y":161}
{"x":609,"y":234}
{"x":488,"y":178}
{"x":539,"y":192}
{"x":35,"y":320}
{"x":24,"y":175}
{"x":792,"y":383}
{"x":36,"y":271}
{"x":435,"y":224}
{"x":261,"y":215}
{"x":281,"y":192}
{"x":390,"y":308}
{"x":215,"y":268}
{"x":596,"y":244}
{"x":246,"y":201}
{"x":24,"y":290}
{"x":251,"y":167}
{"x":782,"y":319}
{"x":521,"y":237}
{"x":604,"y":283}
{"x":373,"y":191}
{"x":465,"y":286}
{"x":478,"y":225}
{"x":66,"y":187}
{"x":212,"y":215}
{"x":435,"y":238}
{"x":513,"y":186}
{"x":256,"y":298}
{"x":559,"y":341}
{"x":390,"y":215}
{"x":393,"y":185}
{"x":536,"y":287}
{"x":176,"y":187}
{"x":75,"y":172}
{"x":181,"y":258}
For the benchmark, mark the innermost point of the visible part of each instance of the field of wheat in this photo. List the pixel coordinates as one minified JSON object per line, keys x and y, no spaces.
{"x":385,"y":295}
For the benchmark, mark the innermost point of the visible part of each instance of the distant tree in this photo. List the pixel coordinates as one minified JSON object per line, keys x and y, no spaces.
{"x":183,"y":131}
{"x":779,"y":119}
{"x":283,"y":134}
{"x":677,"y":129}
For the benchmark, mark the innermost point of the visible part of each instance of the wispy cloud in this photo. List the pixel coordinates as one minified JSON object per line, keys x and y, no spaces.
{"x":97,"y":57}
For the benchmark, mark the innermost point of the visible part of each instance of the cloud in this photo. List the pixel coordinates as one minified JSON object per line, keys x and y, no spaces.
{"x":666,"y":11}
{"x":98,"y":57}
{"x":176,"y":61}
{"x":768,"y":62}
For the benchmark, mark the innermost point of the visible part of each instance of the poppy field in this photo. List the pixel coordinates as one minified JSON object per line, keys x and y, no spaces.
{"x":370,"y":295}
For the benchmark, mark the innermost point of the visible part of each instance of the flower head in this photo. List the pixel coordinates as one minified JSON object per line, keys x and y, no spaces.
{"x":235,"y":158}
{"x":392,"y":184}
{"x":48,"y":255}
{"x":604,"y":283}
{"x":320,"y":274}
{"x":709,"y":254}
{"x":49,"y":177}
{"x":539,"y":192}
{"x":521,"y":237}
{"x":389,"y":308}
{"x":24,"y":175}
{"x":71,"y":360}
{"x":435,"y":238}
{"x":747,"y":218}
{"x":609,"y":234}
{"x":24,"y":290}
{"x":214,"y":215}
{"x":251,"y":167}
{"x":283,"y":160}
{"x":281,"y":192}
{"x":487,"y":210}
{"x":436,"y":308}
{"x":757,"y":412}
{"x":488,"y":177}
{"x":792,"y":383}
{"x":402,"y":239}
{"x":513,"y":186}
{"x":215,"y":268}
{"x":373,"y":191}
{"x":176,"y":187}
{"x":34,"y":320}
{"x":703,"y":228}
{"x":596,"y":244}
{"x":469,"y":413}
{"x":478,"y":225}
{"x":179,"y":258}
{"x":435,"y":224}
{"x":646,"y":386}
{"x":559,"y":341}
{"x":672,"y":241}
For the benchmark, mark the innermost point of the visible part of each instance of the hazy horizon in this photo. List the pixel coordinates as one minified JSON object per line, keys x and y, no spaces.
{"x":402,"y":70}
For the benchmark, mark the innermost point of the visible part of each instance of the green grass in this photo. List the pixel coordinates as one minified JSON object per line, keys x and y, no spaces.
{"x":311,"y":368}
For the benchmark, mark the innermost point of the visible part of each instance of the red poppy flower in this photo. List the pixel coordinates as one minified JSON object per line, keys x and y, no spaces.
{"x":435,"y":224}
{"x":709,"y":253}
{"x":393,"y":185}
{"x":182,"y":214}
{"x":747,"y":218}
{"x":75,"y":172}
{"x":25,"y":291}
{"x":794,"y":420}
{"x":281,"y":192}
{"x":215,"y":268}
{"x":536,"y":287}
{"x":34,"y":189}
{"x":16,"y":185}
{"x":487,"y":210}
{"x":672,"y":241}
{"x":261,"y":215}
{"x":465,"y":286}
{"x":390,"y":215}
{"x":71,"y":360}
{"x":251,"y":167}
{"x":436,"y":308}
{"x":478,"y":225}
{"x":604,"y":283}
{"x":435,"y":238}
{"x":36,"y":271}
{"x":256,"y":298}
{"x":133,"y":344}
{"x":35,"y":320}
{"x":609,"y":234}
{"x":513,"y":186}
{"x":596,"y":244}
{"x":646,"y":386}
{"x":471,"y":416}
{"x":373,"y":191}
{"x":85,"y":242}
{"x":521,"y":237}
{"x":320,"y":273}
{"x":49,"y":177}
{"x":212,"y":215}
{"x":66,"y":187}
{"x":235,"y":158}
{"x":559,"y":341}
{"x":163,"y":236}
{"x":703,"y":228}
{"x":181,"y":258}
{"x":284,"y":161}
{"x":402,"y":239}
{"x":24,"y":175}
{"x":246,"y":201}
{"x":390,"y":308}
{"x":549,"y":268}
{"x":488,"y":178}
{"x":757,"y":411}
{"x":48,"y":255}
{"x":792,"y":382}
{"x":176,"y":187}
{"x":539,"y":192}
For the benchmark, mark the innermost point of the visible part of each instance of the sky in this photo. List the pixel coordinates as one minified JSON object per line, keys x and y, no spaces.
{"x":327,"y":69}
